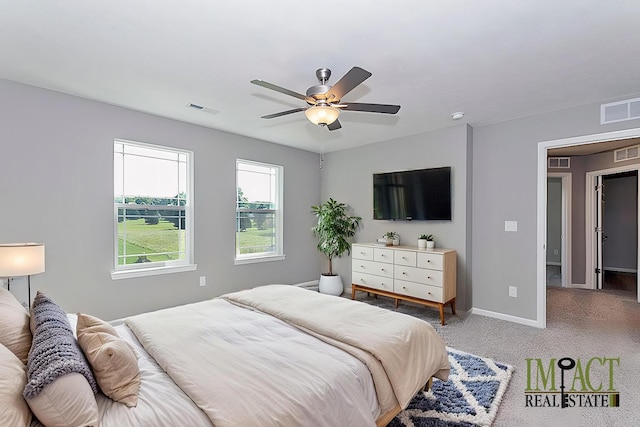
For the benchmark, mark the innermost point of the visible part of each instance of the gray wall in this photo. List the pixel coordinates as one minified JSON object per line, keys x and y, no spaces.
{"x":57,"y":187}
{"x":620,"y":250}
{"x":505,"y":188}
{"x":347,"y":176}
{"x":554,"y":220}
{"x":580,"y":165}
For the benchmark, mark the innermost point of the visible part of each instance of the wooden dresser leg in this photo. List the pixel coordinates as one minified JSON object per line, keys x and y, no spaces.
{"x":395,"y":304}
{"x":442,"y":314}
{"x":453,"y":306}
{"x":353,"y":292}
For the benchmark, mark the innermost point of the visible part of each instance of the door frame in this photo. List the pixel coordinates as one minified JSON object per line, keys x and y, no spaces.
{"x":541,"y":256}
{"x":590,"y":221}
{"x":565,"y":245}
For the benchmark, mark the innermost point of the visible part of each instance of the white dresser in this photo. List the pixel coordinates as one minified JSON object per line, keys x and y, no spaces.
{"x":423,"y":276}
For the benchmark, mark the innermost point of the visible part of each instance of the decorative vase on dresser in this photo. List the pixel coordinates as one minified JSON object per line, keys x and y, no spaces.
{"x":406,"y":273}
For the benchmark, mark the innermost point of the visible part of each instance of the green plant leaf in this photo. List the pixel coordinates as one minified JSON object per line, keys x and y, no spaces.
{"x":333,"y":229}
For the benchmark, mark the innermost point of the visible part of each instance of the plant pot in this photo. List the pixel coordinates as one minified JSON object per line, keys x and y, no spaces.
{"x":431,"y":244}
{"x":422,"y":243}
{"x":389,"y":242}
{"x":331,"y":285}
{"x":396,"y":242}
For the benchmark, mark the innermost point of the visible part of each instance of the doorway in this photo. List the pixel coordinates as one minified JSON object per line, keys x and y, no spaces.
{"x":543,"y":147}
{"x":612,"y":230}
{"x":558,"y":260}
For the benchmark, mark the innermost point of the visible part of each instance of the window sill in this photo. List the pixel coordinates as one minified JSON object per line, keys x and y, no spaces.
{"x":143,"y":272}
{"x":267,"y":258}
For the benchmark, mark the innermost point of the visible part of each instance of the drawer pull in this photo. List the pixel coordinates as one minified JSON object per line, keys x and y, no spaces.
{"x":382,"y":269}
{"x":362,"y":253}
{"x":404,"y":272}
{"x":382,"y":255}
{"x":428,"y":260}
{"x":404,"y":258}
{"x":428,"y":293}
{"x":404,"y":287}
{"x":362,"y":266}
{"x":429,"y":277}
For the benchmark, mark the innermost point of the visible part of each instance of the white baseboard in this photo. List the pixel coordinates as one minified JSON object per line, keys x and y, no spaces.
{"x":311,"y":285}
{"x":621,"y":269}
{"x":507,"y":317}
{"x":578,"y":286}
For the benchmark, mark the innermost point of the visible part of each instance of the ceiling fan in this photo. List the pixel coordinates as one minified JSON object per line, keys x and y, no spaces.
{"x":324,"y":100}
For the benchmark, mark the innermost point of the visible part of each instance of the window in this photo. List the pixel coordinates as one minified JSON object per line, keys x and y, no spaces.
{"x":258,"y":212}
{"x":152,"y":209}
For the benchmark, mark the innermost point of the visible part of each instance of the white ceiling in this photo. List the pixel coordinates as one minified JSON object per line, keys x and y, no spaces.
{"x":495,"y":60}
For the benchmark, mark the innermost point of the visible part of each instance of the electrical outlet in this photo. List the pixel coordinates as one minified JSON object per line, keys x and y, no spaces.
{"x":513,"y":292}
{"x":555,"y":252}
{"x":511,"y":226}
{"x":203,"y":280}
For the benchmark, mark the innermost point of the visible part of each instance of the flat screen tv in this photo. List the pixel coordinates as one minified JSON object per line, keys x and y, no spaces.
{"x":422,"y":194}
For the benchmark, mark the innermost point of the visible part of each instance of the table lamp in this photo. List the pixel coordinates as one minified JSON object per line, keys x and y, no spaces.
{"x":21,"y":259}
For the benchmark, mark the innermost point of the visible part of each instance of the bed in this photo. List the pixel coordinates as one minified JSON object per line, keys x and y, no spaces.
{"x":275,"y":355}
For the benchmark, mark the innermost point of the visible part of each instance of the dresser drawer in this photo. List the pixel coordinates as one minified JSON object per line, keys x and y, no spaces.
{"x":372,"y":267}
{"x":417,"y":290}
{"x":371,"y":281}
{"x":407,"y":258}
{"x":362,"y":252}
{"x":430,"y":260}
{"x":383,"y":255}
{"x":418,"y":275}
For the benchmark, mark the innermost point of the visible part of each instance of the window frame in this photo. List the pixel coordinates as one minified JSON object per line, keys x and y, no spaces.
{"x":158,"y":267}
{"x":278,"y":211}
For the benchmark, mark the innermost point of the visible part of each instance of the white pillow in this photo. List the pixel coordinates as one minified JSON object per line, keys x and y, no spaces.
{"x":13,"y":377}
{"x":68,"y":401}
{"x":14,"y":326}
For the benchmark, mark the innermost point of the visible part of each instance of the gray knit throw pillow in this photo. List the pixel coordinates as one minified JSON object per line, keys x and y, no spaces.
{"x":54,"y":351}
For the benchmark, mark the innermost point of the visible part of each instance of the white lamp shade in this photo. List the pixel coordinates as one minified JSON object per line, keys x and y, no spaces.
{"x":21,"y":259}
{"x":322,"y":114}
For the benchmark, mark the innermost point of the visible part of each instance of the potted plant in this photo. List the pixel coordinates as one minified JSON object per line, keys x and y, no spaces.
{"x":333,"y":229}
{"x":423,"y":241}
{"x":392,"y":237}
{"x":431,"y":242}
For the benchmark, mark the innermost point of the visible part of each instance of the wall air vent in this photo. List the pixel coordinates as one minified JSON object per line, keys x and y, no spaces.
{"x":620,"y":111}
{"x":628,"y":153}
{"x":559,"y":162}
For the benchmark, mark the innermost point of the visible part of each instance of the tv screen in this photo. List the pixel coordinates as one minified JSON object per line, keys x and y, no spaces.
{"x":422,"y":194}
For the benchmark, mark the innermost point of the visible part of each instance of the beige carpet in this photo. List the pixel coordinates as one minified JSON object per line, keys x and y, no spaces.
{"x":580,"y":324}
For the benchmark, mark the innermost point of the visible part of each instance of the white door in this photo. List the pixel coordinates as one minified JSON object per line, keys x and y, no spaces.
{"x":599,"y":271}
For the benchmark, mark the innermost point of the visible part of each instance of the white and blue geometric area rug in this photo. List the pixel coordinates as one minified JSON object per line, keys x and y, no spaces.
{"x":470,"y":397}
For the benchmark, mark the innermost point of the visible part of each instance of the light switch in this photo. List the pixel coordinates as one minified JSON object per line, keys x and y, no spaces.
{"x":511,"y":226}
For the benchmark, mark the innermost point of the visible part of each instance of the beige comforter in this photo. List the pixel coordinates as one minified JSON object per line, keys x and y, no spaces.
{"x":243,"y":367}
{"x":399,"y":350}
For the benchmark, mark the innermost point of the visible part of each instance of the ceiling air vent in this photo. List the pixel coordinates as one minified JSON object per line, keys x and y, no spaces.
{"x":203,"y":109}
{"x":559,"y":162}
{"x":620,"y":111}
{"x":628,"y":153}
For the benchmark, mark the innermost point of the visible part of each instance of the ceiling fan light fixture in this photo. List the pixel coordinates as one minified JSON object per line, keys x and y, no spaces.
{"x":322,"y":114}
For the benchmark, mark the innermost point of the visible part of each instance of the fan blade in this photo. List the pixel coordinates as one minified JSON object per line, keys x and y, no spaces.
{"x":335,"y":125}
{"x":353,"y":78}
{"x":278,"y":89}
{"x":372,"y":108}
{"x":282,"y":113}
